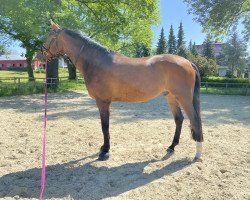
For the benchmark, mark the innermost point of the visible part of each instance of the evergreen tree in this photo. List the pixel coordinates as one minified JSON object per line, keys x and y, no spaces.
{"x":235,"y":54}
{"x":180,"y":39}
{"x":190,"y":45}
{"x":142,"y":51}
{"x":193,"y":49}
{"x":181,"y":49}
{"x":208,"y":50}
{"x":162,"y":43}
{"x":171,"y":42}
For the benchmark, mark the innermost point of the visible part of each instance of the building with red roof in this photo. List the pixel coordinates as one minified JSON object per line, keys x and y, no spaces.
{"x":17,"y":61}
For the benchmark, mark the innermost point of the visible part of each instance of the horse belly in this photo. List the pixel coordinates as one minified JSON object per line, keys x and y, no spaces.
{"x":137,"y":91}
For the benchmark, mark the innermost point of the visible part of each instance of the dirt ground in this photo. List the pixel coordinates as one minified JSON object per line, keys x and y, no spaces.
{"x":138,"y":167}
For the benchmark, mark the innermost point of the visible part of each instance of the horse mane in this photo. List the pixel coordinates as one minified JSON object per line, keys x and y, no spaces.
{"x":88,"y":42}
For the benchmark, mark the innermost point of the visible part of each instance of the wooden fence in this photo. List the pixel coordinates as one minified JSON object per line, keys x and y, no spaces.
{"x":206,"y":87}
{"x":225,"y":88}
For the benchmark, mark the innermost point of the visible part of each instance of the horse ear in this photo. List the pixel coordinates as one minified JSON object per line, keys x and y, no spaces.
{"x":54,"y":26}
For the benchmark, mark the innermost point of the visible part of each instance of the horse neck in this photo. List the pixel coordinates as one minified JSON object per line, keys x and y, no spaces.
{"x":72,"y":47}
{"x":81,"y":55}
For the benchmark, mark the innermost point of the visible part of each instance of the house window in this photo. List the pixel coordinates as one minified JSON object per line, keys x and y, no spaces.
{"x":20,"y":65}
{"x":13,"y":65}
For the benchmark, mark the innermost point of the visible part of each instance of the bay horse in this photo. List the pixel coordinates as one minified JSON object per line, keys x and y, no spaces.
{"x":110,"y":76}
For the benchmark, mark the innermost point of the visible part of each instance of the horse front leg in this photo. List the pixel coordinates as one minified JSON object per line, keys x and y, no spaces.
{"x":104,"y":110}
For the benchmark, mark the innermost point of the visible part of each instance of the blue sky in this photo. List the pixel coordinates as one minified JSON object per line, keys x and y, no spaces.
{"x":173,"y":12}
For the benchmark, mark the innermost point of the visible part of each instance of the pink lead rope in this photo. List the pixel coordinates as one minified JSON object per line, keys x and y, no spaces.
{"x":43,"y":175}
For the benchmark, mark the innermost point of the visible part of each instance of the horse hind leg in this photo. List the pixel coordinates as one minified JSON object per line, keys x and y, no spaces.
{"x":178,"y":118}
{"x":196,"y":127}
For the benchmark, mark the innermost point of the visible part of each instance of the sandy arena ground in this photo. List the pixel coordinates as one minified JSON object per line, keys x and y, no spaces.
{"x":139,"y":167}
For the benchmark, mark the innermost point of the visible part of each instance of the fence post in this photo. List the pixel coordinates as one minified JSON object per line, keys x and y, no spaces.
{"x":206,"y":86}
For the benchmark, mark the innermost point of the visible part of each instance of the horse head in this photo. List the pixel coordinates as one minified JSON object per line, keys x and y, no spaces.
{"x":52,"y":48}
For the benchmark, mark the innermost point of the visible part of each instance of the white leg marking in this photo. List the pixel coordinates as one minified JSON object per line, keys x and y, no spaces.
{"x":198,"y":150}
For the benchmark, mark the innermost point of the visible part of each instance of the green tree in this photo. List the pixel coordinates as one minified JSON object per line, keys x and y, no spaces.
{"x":3,"y":49}
{"x":207,"y":67}
{"x":180,"y":37}
{"x":115,"y":24}
{"x":3,"y":46}
{"x":190,"y":44}
{"x":194,"y":49}
{"x":234,"y":54}
{"x":4,"y":43}
{"x":208,"y":50}
{"x":172,"y":41}
{"x":182,"y":51}
{"x":162,"y":43}
{"x":181,"y":46}
{"x":142,"y":51}
{"x":219,"y":16}
{"x":153,"y":51}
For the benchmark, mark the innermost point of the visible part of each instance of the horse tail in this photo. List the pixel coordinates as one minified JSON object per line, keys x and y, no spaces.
{"x":197,"y":134}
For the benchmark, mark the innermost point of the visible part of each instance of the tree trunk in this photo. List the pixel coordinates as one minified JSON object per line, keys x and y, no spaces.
{"x":30,"y":70}
{"x":53,"y":80}
{"x":29,"y":57}
{"x":71,"y":70}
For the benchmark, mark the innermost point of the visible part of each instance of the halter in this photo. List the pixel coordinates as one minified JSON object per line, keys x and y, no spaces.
{"x":46,"y":50}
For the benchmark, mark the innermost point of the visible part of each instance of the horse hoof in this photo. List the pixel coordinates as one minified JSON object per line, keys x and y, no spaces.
{"x":103,"y":156}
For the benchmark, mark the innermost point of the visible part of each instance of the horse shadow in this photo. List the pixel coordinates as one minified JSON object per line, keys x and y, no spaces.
{"x":86,"y":179}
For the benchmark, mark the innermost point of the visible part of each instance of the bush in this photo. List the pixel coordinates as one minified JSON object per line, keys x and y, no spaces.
{"x":18,"y":69}
{"x":207,"y":67}
{"x":225,"y":79}
{"x":229,"y":74}
{"x":40,"y":71}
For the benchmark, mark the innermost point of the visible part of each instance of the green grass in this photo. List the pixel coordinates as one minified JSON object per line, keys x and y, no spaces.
{"x":37,"y":74}
{"x":226,"y":91}
{"x":7,"y":89}
{"x":11,"y":87}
